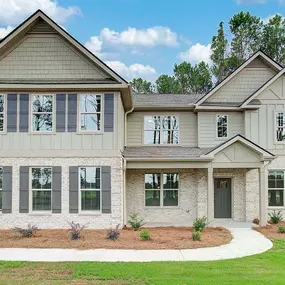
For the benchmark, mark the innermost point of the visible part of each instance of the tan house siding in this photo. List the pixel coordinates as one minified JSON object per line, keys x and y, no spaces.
{"x":207,"y":127}
{"x":187,"y":127}
{"x":46,"y":57}
{"x":242,"y":85}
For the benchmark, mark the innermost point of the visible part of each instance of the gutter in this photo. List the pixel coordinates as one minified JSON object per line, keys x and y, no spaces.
{"x":197,"y":159}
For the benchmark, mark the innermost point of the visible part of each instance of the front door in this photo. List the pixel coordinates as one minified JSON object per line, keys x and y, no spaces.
{"x":222,"y":198}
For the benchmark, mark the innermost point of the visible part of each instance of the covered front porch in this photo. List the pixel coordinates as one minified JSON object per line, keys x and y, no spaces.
{"x":225,"y":183}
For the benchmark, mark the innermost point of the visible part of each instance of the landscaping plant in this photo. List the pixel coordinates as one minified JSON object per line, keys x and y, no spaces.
{"x":256,"y":221}
{"x":275,"y":217}
{"x":281,"y":229}
{"x":135,"y":222}
{"x":113,"y":234}
{"x":144,"y":235}
{"x":200,"y":224}
{"x":196,"y":235}
{"x":75,"y":230}
{"x":27,"y":232}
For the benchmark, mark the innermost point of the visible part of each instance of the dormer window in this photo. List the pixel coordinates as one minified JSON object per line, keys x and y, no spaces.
{"x":222,"y":126}
{"x":280,"y":126}
{"x":161,"y":130}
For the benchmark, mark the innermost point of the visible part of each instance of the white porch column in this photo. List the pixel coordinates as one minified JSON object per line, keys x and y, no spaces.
{"x":262,"y":196}
{"x":210,"y":200}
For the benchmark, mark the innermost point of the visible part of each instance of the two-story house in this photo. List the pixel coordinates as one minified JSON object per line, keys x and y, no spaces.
{"x":76,"y":144}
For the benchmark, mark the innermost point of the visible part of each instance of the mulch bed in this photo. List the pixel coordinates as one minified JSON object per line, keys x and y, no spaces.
{"x":271,"y":231}
{"x":161,"y":238}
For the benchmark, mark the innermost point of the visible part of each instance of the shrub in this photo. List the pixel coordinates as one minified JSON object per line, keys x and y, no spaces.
{"x":196,"y":235}
{"x":75,"y":230}
{"x":135,"y":222}
{"x":256,"y":221}
{"x":28,"y":232}
{"x":144,"y":235}
{"x":281,"y":229}
{"x":275,"y":217}
{"x":200,"y":224}
{"x":113,"y":234}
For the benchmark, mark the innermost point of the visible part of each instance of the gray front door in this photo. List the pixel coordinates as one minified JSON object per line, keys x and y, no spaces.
{"x":222,"y":198}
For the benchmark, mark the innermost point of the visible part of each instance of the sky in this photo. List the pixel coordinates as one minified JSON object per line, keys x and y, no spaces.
{"x":140,"y":38}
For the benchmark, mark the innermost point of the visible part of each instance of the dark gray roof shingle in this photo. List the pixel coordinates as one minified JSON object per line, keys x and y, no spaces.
{"x":165,"y":100}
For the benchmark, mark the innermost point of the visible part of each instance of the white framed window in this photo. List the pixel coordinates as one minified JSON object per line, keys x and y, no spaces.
{"x":161,"y":130}
{"x":90,"y":189}
{"x":280,"y":126}
{"x":42,"y":112}
{"x":222,"y":126}
{"x":41,"y":188}
{"x":2,"y":112}
{"x":161,"y":189}
{"x":1,"y":186}
{"x":276,"y":188}
{"x":90,"y":112}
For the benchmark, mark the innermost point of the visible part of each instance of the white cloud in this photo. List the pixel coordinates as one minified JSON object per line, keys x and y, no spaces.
{"x":5,"y":31}
{"x":12,"y":12}
{"x":247,"y":2}
{"x":146,"y":72}
{"x":197,"y":53}
{"x":94,"y":45}
{"x":266,"y":19}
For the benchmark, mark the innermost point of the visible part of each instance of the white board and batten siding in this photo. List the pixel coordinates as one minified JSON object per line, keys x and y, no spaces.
{"x":207,"y":131}
{"x":187,"y":127}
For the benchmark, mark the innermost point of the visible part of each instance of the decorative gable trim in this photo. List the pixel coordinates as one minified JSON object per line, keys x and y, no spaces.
{"x":260,"y":53}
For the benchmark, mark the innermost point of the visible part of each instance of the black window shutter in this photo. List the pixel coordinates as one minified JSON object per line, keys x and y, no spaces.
{"x":7,"y":190}
{"x":72,"y":113}
{"x":24,"y":113}
{"x":24,"y":189}
{"x":60,"y":112}
{"x":106,"y":189}
{"x":11,"y":113}
{"x":73,"y":189}
{"x":108,"y":112}
{"x":56,"y":189}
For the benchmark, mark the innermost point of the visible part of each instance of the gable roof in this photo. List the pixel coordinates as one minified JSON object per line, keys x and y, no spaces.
{"x":33,"y":20}
{"x":259,"y":53}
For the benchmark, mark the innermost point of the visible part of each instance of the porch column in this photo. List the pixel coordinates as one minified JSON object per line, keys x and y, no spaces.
{"x":210,"y":200}
{"x":262,"y":196}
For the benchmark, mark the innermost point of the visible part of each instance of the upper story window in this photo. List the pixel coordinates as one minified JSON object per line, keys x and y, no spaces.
{"x":90,"y":188}
{"x":42,"y":113}
{"x":41,"y":187}
{"x":222,"y":126}
{"x":280,"y":126}
{"x":276,"y":188}
{"x":1,"y":183}
{"x":2,"y":113}
{"x":90,"y":112}
{"x":161,"y":130}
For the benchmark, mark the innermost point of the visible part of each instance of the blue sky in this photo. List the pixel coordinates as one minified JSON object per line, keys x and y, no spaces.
{"x":140,"y":38}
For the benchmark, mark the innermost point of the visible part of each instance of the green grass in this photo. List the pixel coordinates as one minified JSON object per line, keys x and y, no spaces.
{"x":266,"y":268}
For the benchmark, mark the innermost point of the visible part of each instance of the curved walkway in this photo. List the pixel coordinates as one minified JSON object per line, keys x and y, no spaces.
{"x":245,"y":242}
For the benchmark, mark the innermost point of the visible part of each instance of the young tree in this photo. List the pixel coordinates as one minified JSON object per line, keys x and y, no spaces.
{"x":182,"y":73}
{"x":247,"y":34}
{"x":141,"y":86}
{"x":273,"y":40}
{"x":167,"y":84}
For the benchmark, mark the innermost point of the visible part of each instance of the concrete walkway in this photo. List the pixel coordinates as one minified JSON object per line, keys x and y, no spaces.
{"x":245,"y":242}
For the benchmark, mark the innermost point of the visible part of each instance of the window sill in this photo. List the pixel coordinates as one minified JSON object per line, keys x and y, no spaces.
{"x":161,"y":207}
{"x":90,"y":214}
{"x":89,"y":133}
{"x":276,"y":207}
{"x":40,"y":214}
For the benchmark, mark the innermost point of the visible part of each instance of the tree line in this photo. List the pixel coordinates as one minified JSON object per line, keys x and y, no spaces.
{"x":248,"y":34}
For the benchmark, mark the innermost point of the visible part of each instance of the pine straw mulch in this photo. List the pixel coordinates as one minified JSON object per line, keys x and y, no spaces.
{"x":161,"y":238}
{"x":271,"y":231}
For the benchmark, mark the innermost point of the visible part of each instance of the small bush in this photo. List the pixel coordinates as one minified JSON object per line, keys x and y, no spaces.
{"x":144,"y":235}
{"x":75,"y":230}
{"x":200,"y":224}
{"x":275,"y":217}
{"x":28,"y":232}
{"x":135,"y":222}
{"x":113,"y":234}
{"x":281,"y":229}
{"x":256,"y":221}
{"x":196,"y":235}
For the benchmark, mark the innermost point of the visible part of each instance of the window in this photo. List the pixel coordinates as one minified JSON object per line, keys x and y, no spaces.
{"x":1,"y":182}
{"x":280,"y":126}
{"x":42,"y":113}
{"x":41,"y":188}
{"x":161,"y":130}
{"x":90,"y":188}
{"x":90,"y":112}
{"x":276,"y":188}
{"x":161,"y":193}
{"x":2,"y":113}
{"x":222,"y":126}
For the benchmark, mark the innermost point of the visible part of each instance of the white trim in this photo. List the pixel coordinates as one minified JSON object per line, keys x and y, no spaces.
{"x":275,"y":112}
{"x":259,"y":53}
{"x":89,"y":212}
{"x":275,"y":189}
{"x":1,"y":189}
{"x":217,"y":136}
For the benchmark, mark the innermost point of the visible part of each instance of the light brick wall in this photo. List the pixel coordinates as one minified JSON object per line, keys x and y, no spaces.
{"x":59,"y":220}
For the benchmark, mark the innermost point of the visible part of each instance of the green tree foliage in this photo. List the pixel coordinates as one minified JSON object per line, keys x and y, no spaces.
{"x":166,"y":84}
{"x":142,"y":86}
{"x":273,"y":40}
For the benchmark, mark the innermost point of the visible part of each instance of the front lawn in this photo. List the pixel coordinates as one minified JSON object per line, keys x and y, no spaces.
{"x":266,"y":268}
